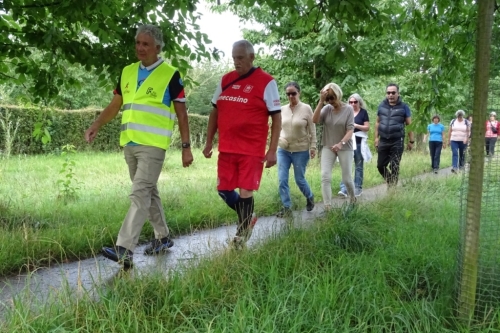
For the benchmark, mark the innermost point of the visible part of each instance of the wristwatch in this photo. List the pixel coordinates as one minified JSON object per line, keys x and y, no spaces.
{"x":186,"y":145}
{"x":412,"y":142}
{"x":343,"y":142}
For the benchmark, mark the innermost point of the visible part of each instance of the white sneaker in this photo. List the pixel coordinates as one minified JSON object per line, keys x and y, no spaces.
{"x":357,"y":192}
{"x":342,"y":194}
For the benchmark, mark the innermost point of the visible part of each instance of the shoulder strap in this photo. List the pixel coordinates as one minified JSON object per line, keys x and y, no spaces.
{"x":452,"y":122}
{"x":239,"y":78}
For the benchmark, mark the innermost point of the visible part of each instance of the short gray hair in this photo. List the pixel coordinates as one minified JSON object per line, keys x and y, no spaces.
{"x":153,"y":31}
{"x":246,"y":44}
{"x":359,"y":99}
{"x":460,"y":113}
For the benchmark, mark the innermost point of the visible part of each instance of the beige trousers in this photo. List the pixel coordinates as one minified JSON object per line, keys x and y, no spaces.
{"x":144,"y":165}
{"x":328,"y":159}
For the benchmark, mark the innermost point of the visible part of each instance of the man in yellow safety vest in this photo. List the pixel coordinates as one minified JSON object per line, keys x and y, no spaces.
{"x":151,"y":94}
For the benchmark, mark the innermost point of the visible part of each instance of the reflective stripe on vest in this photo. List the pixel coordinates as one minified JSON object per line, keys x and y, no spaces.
{"x":147,"y":129}
{"x":145,"y":119}
{"x":150,"y":109}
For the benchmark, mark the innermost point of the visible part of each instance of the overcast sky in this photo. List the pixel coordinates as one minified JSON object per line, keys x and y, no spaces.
{"x":222,"y":29}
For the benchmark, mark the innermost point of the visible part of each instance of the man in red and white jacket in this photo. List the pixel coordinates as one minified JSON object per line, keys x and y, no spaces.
{"x":243,"y":102}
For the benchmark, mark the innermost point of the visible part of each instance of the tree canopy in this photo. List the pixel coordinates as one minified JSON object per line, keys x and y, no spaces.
{"x":427,"y":46}
{"x":98,"y":35}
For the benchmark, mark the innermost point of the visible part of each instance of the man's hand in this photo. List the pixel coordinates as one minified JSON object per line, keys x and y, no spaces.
{"x":105,"y":117}
{"x":270,"y":158}
{"x":187,"y":157}
{"x":375,"y":143}
{"x":91,"y":133}
{"x":207,"y":151}
{"x":409,"y":146}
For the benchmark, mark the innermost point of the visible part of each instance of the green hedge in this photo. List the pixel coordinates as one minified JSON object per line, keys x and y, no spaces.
{"x":68,"y":127}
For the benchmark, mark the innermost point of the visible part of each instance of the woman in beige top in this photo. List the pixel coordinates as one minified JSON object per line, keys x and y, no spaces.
{"x":338,"y":120}
{"x":297,"y":143}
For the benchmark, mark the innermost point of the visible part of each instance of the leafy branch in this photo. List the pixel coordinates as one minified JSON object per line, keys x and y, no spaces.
{"x":36,"y":5}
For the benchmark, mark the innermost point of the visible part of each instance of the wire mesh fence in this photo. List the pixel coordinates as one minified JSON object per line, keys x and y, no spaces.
{"x":478,"y":274}
{"x":482,"y":165}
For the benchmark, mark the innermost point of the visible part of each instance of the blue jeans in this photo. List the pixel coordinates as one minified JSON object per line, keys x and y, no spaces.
{"x":358,"y":170}
{"x":299,"y":161}
{"x":458,"y":152}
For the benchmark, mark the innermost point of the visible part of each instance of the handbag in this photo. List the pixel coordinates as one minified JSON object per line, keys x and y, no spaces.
{"x":494,"y":130}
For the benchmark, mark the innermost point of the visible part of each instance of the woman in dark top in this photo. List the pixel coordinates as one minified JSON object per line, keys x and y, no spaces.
{"x":361,"y":128}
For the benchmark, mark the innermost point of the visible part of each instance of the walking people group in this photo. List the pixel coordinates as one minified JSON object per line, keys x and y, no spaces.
{"x":150,"y":94}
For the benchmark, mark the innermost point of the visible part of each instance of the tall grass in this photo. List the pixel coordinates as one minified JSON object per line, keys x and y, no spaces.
{"x":386,"y":266}
{"x":38,"y":227}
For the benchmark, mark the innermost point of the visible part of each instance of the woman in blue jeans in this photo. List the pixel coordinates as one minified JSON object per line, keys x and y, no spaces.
{"x":435,"y":132}
{"x":297,"y":143}
{"x":362,"y":152}
{"x":458,"y":136}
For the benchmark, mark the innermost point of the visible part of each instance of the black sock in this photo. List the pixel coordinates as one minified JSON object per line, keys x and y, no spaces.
{"x":244,"y":208}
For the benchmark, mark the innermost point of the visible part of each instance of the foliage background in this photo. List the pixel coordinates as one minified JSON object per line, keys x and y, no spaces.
{"x":68,"y":126}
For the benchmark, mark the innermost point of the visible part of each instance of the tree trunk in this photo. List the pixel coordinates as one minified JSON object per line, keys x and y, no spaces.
{"x":470,"y":248}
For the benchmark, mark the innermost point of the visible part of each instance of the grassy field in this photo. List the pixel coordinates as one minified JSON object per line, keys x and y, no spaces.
{"x":41,"y":225}
{"x":387,"y":266}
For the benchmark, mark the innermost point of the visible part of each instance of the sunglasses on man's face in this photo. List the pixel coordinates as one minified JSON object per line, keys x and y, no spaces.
{"x":391,"y":92}
{"x":353,"y":102}
{"x":293,"y":93}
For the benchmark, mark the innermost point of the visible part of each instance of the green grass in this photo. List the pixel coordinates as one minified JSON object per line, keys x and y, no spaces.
{"x":39,"y":227}
{"x":386,"y":266}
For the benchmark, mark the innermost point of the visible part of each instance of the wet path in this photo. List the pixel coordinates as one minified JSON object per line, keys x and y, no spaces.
{"x":85,"y":275}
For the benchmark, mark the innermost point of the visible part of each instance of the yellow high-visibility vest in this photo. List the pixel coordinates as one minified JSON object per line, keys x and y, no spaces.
{"x":145,"y":119}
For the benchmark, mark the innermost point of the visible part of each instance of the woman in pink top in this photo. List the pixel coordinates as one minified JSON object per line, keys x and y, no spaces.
{"x":492,"y":129}
{"x":458,"y":136}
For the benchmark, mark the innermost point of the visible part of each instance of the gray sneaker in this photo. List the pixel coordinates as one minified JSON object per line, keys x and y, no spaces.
{"x":342,"y":194}
{"x":358,"y":192}
{"x":284,"y":212}
{"x":237,"y":243}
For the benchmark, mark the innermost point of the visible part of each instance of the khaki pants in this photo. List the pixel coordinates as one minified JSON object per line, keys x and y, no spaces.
{"x":328,"y":159}
{"x":144,"y":164}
